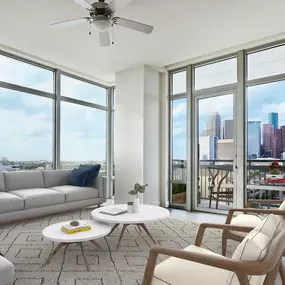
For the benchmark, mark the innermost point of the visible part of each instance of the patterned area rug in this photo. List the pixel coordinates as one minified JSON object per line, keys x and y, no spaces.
{"x":22,"y":243}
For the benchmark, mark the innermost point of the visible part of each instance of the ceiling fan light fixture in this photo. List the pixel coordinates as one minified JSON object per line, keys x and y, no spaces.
{"x":101,"y":25}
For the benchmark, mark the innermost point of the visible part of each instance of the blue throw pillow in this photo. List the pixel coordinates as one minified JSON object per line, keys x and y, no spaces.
{"x":92,"y":172}
{"x":78,"y":177}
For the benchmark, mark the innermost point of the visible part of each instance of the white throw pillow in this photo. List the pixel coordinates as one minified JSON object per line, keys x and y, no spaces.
{"x":255,"y":246}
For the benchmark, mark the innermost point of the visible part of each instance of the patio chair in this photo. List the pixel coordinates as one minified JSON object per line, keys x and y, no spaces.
{"x":256,"y":260}
{"x":250,"y":217}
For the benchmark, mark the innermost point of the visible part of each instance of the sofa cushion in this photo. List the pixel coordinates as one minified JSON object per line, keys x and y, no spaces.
{"x":2,"y":184}
{"x":10,"y":203}
{"x":92,"y":173}
{"x":39,"y":197}
{"x":55,"y":177}
{"x":245,"y":220}
{"x":255,"y":246}
{"x":76,"y":193}
{"x":7,"y":272}
{"x":16,"y":180}
{"x":177,"y":271}
{"x":78,"y":177}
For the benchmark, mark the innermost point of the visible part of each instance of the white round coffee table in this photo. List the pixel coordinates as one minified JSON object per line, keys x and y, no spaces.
{"x":147,"y":213}
{"x":54,"y":234}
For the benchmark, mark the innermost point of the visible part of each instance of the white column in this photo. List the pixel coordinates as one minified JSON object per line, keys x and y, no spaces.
{"x":137,"y":133}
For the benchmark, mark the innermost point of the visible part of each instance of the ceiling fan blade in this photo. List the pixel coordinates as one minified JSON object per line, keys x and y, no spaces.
{"x":133,"y":25}
{"x":114,"y":5}
{"x":104,"y":39}
{"x":70,"y":23}
{"x":83,"y":3}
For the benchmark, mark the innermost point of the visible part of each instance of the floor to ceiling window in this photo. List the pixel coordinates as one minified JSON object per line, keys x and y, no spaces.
{"x":178,"y":106}
{"x":265,"y":122}
{"x":231,"y":119}
{"x":50,"y":119}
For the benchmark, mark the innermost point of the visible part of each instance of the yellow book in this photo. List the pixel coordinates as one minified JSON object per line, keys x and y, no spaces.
{"x":69,"y":230}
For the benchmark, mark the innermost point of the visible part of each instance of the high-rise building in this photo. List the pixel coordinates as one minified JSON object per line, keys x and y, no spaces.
{"x":273,"y":120}
{"x":207,"y":148}
{"x":282,"y":128}
{"x":253,"y":139}
{"x":277,"y":144}
{"x":267,"y":137}
{"x":228,"y":129}
{"x":213,"y":127}
{"x":225,"y":149}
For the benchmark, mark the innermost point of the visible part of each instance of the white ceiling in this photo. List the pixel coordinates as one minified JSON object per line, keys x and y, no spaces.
{"x":184,"y":29}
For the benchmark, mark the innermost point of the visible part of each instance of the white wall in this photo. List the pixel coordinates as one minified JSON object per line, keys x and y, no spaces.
{"x":137,"y":133}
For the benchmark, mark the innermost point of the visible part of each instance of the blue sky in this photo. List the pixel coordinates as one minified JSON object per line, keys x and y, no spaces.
{"x":26,"y":120}
{"x":261,"y":100}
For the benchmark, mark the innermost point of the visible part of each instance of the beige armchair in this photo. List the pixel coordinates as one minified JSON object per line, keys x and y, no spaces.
{"x":250,"y":217}
{"x":198,"y":266}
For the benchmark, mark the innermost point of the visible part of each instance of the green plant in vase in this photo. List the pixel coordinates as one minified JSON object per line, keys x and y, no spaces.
{"x":135,"y":192}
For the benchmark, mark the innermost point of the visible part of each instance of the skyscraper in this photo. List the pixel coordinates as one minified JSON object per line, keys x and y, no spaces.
{"x":253,"y":139}
{"x":213,"y":127}
{"x":228,"y":129}
{"x":277,"y":144}
{"x":207,"y":148}
{"x":273,"y":120}
{"x":225,"y":149}
{"x":267,"y":137}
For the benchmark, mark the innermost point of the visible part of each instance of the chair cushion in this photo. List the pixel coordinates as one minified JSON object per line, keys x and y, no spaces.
{"x":177,"y":271}
{"x":7,"y":272}
{"x":10,"y":203}
{"x":55,"y":177}
{"x":92,"y":172}
{"x":78,"y":177}
{"x":39,"y":197}
{"x":76,"y":193}
{"x":255,"y":246}
{"x":2,"y":184}
{"x":246,"y":221}
{"x":282,"y":206}
{"x":16,"y":180}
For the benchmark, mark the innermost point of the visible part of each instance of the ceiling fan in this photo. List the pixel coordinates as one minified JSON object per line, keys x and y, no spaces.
{"x":102,"y":18}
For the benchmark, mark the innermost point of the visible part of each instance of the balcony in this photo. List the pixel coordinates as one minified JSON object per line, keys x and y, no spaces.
{"x":219,"y":173}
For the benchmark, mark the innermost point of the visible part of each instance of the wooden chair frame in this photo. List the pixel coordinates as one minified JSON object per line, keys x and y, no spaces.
{"x":268,"y":266}
{"x":230,"y":235}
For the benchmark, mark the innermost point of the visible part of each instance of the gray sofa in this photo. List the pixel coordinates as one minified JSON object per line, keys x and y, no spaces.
{"x":28,"y":194}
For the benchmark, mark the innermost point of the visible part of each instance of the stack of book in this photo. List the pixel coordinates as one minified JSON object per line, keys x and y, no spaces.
{"x":68,"y":229}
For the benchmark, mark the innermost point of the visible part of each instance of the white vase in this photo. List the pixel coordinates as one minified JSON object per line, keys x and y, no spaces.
{"x":136,"y":204}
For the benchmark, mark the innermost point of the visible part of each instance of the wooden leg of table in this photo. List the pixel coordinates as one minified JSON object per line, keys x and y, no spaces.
{"x":122,"y":234}
{"x":96,"y":244}
{"x":113,"y":228}
{"x":83,"y":254}
{"x":53,"y":253}
{"x":143,"y":226}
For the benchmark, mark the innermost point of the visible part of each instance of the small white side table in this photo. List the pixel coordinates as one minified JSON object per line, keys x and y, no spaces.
{"x":147,"y":213}
{"x":54,"y":234}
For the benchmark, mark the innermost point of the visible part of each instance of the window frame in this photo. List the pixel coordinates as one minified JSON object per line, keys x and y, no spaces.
{"x":58,"y":98}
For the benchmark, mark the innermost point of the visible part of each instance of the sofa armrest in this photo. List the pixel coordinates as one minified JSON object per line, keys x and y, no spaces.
{"x":100,"y":186}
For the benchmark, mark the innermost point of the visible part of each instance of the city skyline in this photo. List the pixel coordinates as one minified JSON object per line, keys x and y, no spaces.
{"x":261,"y":100}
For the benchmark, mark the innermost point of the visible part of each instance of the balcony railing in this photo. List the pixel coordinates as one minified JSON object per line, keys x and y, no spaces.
{"x":255,"y":174}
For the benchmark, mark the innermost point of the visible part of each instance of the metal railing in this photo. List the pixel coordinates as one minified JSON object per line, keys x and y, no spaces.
{"x":256,"y":172}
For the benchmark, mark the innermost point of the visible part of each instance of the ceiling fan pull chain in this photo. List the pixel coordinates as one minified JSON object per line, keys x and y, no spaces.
{"x":89,"y":28}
